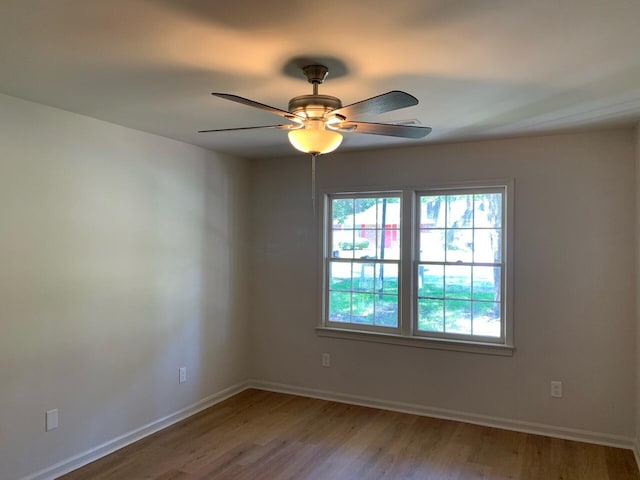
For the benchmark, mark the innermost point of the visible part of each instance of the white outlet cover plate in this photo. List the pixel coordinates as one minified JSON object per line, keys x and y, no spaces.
{"x":326,"y":360}
{"x":51,"y":419}
{"x":556,"y":389}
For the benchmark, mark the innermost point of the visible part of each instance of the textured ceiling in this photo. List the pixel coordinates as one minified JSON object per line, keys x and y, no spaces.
{"x":481,"y":69}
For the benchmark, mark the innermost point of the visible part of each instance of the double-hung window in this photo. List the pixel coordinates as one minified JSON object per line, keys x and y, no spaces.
{"x":363,"y":261}
{"x":423,"y":267}
{"x":460,"y":267}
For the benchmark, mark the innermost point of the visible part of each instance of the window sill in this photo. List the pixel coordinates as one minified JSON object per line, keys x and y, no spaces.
{"x":419,"y":342}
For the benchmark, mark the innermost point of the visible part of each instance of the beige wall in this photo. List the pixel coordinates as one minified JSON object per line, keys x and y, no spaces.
{"x":122,"y":258}
{"x":574,"y":282}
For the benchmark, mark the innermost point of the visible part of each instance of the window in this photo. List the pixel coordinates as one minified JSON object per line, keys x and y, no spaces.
{"x":364,"y":261}
{"x":459,"y":271}
{"x":419,"y":267}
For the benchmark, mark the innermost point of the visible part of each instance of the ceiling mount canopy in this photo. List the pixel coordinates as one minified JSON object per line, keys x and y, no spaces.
{"x":317,"y":122}
{"x":315,"y":73}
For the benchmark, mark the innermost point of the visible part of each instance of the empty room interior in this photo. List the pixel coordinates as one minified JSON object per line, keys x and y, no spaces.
{"x":400,"y":240}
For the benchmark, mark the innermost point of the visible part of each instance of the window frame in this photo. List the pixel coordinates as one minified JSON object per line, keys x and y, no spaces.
{"x":468,"y":190}
{"x":327,"y":230}
{"x":407,"y":333}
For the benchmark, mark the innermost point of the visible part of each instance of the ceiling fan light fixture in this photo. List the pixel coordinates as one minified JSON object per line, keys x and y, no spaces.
{"x":315,"y":139}
{"x":318,"y":121}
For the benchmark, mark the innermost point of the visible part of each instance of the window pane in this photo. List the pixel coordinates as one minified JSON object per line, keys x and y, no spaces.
{"x":487,"y":246}
{"x":432,"y":245}
{"x":365,"y":213}
{"x":374,"y":240}
{"x":459,"y":211}
{"x":363,"y":277}
{"x":388,"y":244}
{"x":488,"y":210}
{"x":386,"y":311}
{"x":431,"y":315}
{"x":342,"y":244}
{"x":457,"y":282}
{"x":362,"y":311}
{"x":342,"y":211}
{"x":387,"y":278}
{"x":457,"y":316}
{"x":388,"y":212}
{"x":364,"y":242}
{"x":486,"y":283}
{"x":340,"y":276}
{"x":431,"y":281}
{"x":340,"y":306}
{"x":459,"y":245}
{"x":432,"y":211}
{"x":486,"y":319}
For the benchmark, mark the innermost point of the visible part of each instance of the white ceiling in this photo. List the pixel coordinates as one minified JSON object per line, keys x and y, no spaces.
{"x":480,"y":68}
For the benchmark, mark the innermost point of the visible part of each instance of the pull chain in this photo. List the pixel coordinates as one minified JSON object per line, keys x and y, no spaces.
{"x":313,"y":182}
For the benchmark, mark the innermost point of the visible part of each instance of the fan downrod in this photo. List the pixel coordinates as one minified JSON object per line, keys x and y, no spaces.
{"x":315,"y":105}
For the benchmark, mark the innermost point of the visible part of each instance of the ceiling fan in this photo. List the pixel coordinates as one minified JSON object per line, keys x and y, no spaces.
{"x":317,"y":122}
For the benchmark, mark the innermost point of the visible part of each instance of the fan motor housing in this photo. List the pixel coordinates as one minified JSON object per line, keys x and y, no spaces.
{"x":314,"y":106}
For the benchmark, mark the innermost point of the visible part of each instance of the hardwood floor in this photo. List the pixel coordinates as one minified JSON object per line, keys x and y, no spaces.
{"x":263,"y":435}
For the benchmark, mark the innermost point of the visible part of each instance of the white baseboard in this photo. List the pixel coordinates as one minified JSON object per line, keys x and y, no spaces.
{"x":636,"y":452}
{"x":485,"y":420}
{"x":93,"y":454}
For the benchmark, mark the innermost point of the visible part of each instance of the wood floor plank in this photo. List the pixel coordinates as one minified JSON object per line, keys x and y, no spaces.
{"x":260,"y":435}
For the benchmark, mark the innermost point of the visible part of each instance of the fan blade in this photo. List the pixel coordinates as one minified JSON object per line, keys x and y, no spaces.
{"x":279,"y":127}
{"x":386,"y":102}
{"x":390,"y":130}
{"x":261,"y":106}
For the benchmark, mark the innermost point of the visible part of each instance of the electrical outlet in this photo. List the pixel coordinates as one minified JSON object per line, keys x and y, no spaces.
{"x":182,"y":376}
{"x":556,"y":389}
{"x":326,"y":360}
{"x":51,"y":422}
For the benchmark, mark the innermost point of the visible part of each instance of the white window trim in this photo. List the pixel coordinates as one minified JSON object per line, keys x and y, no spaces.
{"x":420,"y":342}
{"x":406,"y":334}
